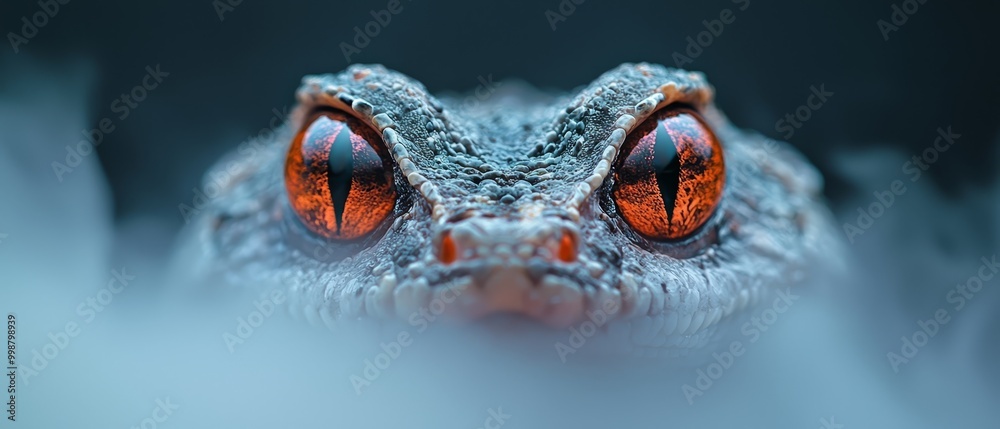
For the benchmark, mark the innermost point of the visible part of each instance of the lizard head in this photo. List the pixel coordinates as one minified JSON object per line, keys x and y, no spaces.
{"x":634,"y":198}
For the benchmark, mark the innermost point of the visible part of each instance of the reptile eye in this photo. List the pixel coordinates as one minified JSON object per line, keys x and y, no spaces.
{"x":338,"y":177}
{"x":669,"y":175}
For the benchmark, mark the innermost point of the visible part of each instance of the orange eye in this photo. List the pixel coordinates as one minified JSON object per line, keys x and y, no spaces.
{"x":338,"y":177}
{"x":669,"y":175}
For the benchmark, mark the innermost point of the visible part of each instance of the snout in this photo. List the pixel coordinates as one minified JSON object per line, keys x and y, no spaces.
{"x":519,"y":266}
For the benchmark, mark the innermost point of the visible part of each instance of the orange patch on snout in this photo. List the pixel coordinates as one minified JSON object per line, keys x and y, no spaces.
{"x":448,"y":252}
{"x":567,"y":248}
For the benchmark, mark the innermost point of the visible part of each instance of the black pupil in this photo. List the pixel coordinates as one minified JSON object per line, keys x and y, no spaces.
{"x":667,"y":167}
{"x":340,"y":169}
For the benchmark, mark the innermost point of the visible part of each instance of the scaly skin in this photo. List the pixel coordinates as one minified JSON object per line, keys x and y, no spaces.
{"x":509,"y":178}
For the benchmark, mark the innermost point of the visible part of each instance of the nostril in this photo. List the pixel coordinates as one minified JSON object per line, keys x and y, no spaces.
{"x":447,"y":253}
{"x":567,"y":247}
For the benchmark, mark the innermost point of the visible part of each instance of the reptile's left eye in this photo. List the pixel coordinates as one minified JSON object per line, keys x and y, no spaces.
{"x":338,"y":177}
{"x":669,"y":175}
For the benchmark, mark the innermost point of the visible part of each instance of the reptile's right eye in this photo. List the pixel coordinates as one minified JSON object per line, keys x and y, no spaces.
{"x":339,"y":177}
{"x":670,"y":175}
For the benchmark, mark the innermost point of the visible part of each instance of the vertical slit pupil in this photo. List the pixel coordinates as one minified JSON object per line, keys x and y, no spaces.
{"x":340,"y":169}
{"x":667,"y":166}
